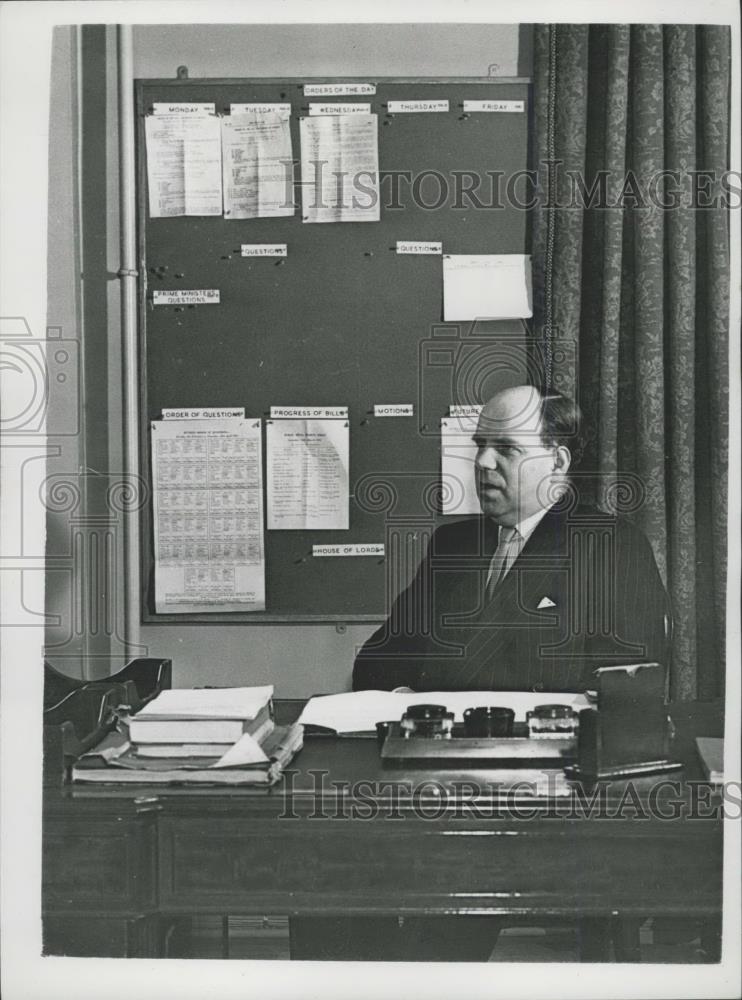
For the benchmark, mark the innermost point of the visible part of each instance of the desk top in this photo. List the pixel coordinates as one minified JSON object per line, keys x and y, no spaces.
{"x":334,"y":768}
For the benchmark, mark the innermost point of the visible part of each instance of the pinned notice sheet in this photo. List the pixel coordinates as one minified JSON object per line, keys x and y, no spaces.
{"x":257,"y":165}
{"x":458,"y":486}
{"x":307,"y":475}
{"x":184,"y":163}
{"x":486,"y":286}
{"x":340,"y":168}
{"x":208,"y":515}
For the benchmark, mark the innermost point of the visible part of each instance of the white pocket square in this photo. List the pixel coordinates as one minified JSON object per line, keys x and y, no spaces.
{"x":545,"y":602}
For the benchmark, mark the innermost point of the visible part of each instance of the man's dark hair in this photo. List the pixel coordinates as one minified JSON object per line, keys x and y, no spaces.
{"x":561,"y":422}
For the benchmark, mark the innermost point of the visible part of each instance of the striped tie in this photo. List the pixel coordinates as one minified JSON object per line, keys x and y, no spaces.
{"x":501,"y":560}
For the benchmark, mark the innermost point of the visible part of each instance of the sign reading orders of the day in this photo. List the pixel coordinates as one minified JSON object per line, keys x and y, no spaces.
{"x":338,"y":89}
{"x":187,"y":297}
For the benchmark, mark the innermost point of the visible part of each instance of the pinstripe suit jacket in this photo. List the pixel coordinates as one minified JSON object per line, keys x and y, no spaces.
{"x":584,"y":592}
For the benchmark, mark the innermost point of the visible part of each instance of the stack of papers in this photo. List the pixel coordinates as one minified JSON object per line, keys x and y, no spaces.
{"x":359,"y":711}
{"x":116,"y":761}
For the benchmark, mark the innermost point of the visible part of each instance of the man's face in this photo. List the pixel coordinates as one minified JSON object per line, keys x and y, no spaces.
{"x":513,"y":467}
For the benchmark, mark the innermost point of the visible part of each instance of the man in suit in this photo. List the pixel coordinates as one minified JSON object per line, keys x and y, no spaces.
{"x":536,"y":592}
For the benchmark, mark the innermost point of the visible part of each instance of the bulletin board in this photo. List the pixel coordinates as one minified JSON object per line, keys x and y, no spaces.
{"x":343,"y":320}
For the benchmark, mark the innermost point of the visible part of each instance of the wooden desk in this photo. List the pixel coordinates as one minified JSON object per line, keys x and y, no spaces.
{"x":343,"y":836}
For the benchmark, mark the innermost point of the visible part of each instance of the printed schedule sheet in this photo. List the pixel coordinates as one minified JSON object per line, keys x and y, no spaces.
{"x":208,"y":515}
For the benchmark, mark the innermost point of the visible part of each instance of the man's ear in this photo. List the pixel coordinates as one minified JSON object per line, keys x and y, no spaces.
{"x":562,"y":459}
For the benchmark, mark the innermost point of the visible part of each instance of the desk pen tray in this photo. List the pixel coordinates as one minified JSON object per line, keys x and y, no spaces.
{"x":460,"y":750}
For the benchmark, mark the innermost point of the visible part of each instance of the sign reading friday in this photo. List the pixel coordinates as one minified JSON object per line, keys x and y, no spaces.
{"x":360,"y":549}
{"x":492,"y":106}
{"x":187,"y":297}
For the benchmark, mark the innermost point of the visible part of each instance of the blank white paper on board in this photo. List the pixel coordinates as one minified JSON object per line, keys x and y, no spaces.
{"x":486,"y":286}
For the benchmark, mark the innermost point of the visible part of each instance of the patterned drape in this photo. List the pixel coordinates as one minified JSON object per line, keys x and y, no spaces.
{"x":631,"y":289}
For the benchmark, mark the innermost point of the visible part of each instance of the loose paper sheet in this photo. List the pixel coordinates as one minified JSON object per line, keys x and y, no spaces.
{"x":208,"y":516}
{"x":184,"y":164}
{"x":458,"y":451}
{"x":257,"y":165}
{"x":486,"y":286}
{"x":307,"y":474}
{"x":340,"y":168}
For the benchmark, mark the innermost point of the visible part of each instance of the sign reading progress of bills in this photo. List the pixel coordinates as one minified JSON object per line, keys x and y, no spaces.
{"x":338,"y":89}
{"x":187,"y":297}
{"x":474,"y":106}
{"x":264,"y":249}
{"x":413,"y":107}
{"x":309,"y":412}
{"x":369,"y":549}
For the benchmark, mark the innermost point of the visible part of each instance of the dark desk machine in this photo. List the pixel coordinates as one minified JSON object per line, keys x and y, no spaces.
{"x":78,"y":714}
{"x":627,"y":733}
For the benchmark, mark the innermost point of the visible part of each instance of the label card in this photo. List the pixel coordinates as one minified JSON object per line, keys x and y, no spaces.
{"x":412,"y":107}
{"x":309,"y":412}
{"x":338,"y":89}
{"x":474,"y":106}
{"x":368,"y":549}
{"x":187,"y":297}
{"x":464,"y":410}
{"x":409,"y":246}
{"x":264,"y":249}
{"x":184,"y":109}
{"x":339,"y":109}
{"x":393,"y":409}
{"x":205,"y":413}
{"x":261,"y":109}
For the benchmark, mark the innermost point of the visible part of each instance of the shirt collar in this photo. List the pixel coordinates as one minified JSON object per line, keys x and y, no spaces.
{"x":528,"y":525}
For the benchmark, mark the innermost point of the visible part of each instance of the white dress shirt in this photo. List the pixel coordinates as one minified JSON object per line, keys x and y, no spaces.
{"x":509,"y":546}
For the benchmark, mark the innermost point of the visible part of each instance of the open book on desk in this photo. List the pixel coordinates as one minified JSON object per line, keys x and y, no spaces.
{"x":357,"y":712}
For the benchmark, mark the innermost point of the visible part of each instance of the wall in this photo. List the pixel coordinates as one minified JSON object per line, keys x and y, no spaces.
{"x":300,"y":660}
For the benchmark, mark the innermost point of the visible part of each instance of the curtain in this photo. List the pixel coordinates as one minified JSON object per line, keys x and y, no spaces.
{"x":631,"y":293}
